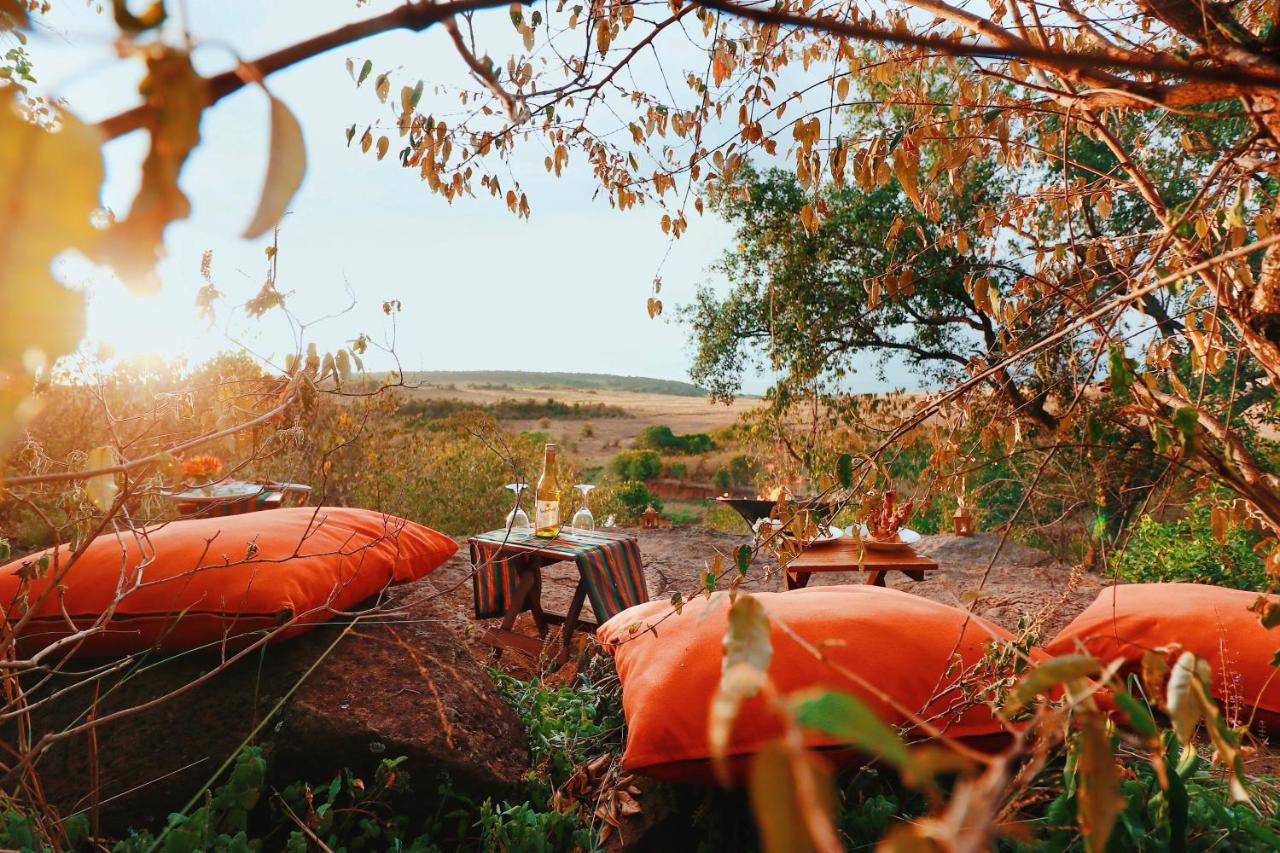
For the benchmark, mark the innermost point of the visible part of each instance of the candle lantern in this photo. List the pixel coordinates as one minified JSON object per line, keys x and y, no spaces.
{"x":962,"y":521}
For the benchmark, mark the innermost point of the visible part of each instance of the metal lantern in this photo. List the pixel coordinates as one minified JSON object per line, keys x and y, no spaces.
{"x":962,"y":521}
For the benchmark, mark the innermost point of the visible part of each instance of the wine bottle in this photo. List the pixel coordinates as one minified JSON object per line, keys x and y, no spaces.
{"x":547,"y":514}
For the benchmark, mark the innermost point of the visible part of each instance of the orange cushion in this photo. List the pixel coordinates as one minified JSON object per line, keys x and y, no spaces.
{"x":1212,"y":622}
{"x":898,"y":642}
{"x":191,"y":583}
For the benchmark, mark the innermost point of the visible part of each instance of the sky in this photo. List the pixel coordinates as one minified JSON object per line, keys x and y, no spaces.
{"x":565,"y":290}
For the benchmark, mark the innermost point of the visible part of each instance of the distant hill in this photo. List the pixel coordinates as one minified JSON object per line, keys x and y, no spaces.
{"x":534,"y":379}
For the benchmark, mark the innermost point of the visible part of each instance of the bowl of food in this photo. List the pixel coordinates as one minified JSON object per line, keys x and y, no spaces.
{"x":901,"y":540}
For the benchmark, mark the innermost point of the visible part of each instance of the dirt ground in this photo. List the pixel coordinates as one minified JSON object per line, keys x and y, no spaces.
{"x":1022,"y":585}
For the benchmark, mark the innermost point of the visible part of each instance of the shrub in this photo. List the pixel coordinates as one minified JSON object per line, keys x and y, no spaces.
{"x":626,"y":501}
{"x":637,"y":465}
{"x":723,"y":479}
{"x":741,"y":471}
{"x":677,"y":470}
{"x":660,"y":437}
{"x":566,"y":724}
{"x":1185,"y":549}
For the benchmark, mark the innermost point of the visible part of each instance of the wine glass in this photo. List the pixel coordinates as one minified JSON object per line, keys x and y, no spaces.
{"x":518,"y":519}
{"x":583,"y":519}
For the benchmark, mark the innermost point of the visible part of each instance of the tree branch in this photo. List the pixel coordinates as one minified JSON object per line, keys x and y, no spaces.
{"x":415,"y":16}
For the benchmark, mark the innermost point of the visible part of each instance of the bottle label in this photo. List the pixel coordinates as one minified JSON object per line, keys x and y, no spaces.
{"x":547,"y":514}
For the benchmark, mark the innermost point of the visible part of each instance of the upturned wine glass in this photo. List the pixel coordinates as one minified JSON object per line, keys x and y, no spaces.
{"x":518,"y":519}
{"x":583,"y":519}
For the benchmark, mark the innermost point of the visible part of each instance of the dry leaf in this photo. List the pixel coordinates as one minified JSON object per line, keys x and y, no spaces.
{"x":286,"y":165}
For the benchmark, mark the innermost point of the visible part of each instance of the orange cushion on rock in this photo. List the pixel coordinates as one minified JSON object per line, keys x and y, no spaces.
{"x":898,"y":642}
{"x":1212,"y":622}
{"x":190,"y":583}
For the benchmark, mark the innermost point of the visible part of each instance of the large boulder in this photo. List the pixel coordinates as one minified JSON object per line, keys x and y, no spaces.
{"x":403,"y":684}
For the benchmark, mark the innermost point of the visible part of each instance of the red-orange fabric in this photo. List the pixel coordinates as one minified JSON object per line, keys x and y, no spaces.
{"x":190,"y":583}
{"x":1212,"y":622}
{"x":898,"y":642}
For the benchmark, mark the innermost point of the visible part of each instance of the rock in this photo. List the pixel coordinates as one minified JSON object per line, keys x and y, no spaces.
{"x":409,"y":686}
{"x":978,"y":548}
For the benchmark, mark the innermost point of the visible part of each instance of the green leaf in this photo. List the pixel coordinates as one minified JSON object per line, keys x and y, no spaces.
{"x":847,"y":718}
{"x":1186,"y":420}
{"x":742,"y":558}
{"x":1121,"y":370}
{"x":364,"y":71}
{"x":1138,"y":713}
{"x":844,"y":470}
{"x":286,"y":165}
{"x":1050,"y":674}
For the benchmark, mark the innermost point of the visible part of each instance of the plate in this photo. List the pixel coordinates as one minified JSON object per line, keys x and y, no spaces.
{"x":833,"y":534}
{"x":222,"y":492}
{"x":906,"y":536}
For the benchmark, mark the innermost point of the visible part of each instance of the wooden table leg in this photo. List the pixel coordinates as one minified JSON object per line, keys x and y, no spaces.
{"x":914,"y":574}
{"x":796,"y":580}
{"x":877,"y":577}
{"x":571,"y":618}
{"x":535,"y":599}
{"x":528,"y":580}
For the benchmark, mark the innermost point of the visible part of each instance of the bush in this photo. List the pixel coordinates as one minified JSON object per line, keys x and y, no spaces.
{"x":741,"y":471}
{"x":723,"y":479}
{"x":566,"y":724}
{"x":660,"y":437}
{"x":677,"y":470}
{"x":1185,"y":550}
{"x":625,"y":501}
{"x":637,"y":465}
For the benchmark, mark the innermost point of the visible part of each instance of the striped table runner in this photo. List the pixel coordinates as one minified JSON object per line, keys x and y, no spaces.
{"x":609,"y":564}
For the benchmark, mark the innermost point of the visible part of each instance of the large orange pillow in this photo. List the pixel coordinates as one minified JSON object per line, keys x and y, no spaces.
{"x":898,"y":642}
{"x":190,"y":583}
{"x":1212,"y":622}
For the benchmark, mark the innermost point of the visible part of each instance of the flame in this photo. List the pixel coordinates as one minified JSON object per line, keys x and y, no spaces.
{"x":777,"y":493}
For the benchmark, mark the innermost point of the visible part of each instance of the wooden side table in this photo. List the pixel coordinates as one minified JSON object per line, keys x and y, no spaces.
{"x":507,"y":579}
{"x":842,"y":556}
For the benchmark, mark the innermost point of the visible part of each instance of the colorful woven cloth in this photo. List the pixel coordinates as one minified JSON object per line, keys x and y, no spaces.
{"x":609,"y":564}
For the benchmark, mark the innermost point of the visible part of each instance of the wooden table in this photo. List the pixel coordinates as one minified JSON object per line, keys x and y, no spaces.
{"x":253,"y":497}
{"x":527,"y":557}
{"x":842,"y":556}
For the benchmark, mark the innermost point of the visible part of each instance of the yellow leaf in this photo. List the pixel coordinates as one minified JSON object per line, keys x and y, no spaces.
{"x":49,"y":185}
{"x":286,"y":165}
{"x":786,"y":806}
{"x":1099,"y":782}
{"x":809,"y":219}
{"x":747,"y":654}
{"x":905,"y":168}
{"x":177,"y":96}
{"x":1181,"y":699}
{"x":102,"y":489}
{"x":1218,"y":524}
{"x":719,"y":70}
